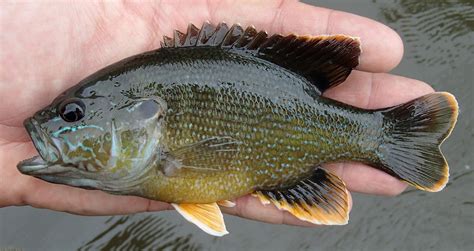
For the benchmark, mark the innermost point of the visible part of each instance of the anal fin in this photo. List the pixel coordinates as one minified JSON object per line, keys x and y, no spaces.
{"x":320,"y":199}
{"x":207,"y":217}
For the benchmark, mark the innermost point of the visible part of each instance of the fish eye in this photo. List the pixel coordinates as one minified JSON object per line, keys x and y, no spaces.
{"x":72,"y":110}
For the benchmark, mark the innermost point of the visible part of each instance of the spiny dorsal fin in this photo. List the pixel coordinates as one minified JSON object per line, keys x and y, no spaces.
{"x":191,"y":35}
{"x":320,"y":199}
{"x":207,"y":217}
{"x":325,"y":60}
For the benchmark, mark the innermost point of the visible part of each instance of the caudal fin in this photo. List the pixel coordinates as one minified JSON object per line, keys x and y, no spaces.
{"x":413,"y":134}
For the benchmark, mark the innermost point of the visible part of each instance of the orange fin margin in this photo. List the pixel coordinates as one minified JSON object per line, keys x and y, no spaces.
{"x":321,"y":199}
{"x":207,"y":217}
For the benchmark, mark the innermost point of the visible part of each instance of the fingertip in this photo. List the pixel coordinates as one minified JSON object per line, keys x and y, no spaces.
{"x":397,"y":188}
{"x":382,"y":47}
{"x":385,"y":50}
{"x":383,"y":184}
{"x":396,"y":90}
{"x":377,"y":90}
{"x":364,"y":179}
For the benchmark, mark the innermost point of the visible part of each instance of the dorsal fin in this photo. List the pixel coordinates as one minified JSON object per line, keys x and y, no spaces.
{"x":325,"y":60}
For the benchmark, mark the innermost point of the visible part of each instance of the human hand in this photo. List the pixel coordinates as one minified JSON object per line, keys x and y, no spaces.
{"x":46,"y":48}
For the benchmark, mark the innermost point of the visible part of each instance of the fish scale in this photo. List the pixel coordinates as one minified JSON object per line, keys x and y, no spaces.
{"x":266,"y":149}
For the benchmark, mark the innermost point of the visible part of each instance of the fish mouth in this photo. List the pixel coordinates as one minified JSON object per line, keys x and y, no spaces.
{"x":37,"y":166}
{"x":47,"y":165}
{"x":57,"y":173}
{"x":46,"y":161}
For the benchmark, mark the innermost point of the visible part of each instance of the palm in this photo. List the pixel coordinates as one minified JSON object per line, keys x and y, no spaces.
{"x":55,"y":46}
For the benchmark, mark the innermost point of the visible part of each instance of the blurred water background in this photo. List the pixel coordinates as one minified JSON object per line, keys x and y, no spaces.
{"x":439,"y":49}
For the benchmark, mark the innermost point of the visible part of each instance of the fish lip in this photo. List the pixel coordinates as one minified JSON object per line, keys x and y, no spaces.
{"x":47,"y":165}
{"x":48,"y":151}
{"x":32,"y":165}
{"x":43,"y":144}
{"x":38,"y":167}
{"x":57,"y":173}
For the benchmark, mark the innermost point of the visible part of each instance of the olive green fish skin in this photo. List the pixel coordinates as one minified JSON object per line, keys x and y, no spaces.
{"x":284,"y":126}
{"x":281,"y":143}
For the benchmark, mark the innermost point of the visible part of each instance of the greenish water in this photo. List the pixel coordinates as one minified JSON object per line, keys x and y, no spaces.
{"x":439,"y":49}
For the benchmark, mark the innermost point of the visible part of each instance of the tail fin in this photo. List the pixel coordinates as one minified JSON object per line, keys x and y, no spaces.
{"x":413,"y":134}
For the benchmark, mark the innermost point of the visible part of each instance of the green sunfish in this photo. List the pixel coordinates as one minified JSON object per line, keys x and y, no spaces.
{"x":221,"y":112}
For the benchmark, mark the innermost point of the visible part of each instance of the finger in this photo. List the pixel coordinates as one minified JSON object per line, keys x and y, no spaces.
{"x":250,"y":207}
{"x":364,"y":179}
{"x":382,"y":48}
{"x":370,"y":91}
{"x":86,"y":202}
{"x":377,"y":90}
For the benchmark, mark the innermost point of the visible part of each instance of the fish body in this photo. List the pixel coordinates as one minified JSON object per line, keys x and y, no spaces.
{"x":220,"y":112}
{"x":277,"y":131}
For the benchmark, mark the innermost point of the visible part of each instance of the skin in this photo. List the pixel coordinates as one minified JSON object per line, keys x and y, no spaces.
{"x":46,"y":48}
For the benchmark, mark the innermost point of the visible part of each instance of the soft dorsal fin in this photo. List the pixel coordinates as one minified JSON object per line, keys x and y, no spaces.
{"x":207,"y":217}
{"x":321,"y":199}
{"x":325,"y":60}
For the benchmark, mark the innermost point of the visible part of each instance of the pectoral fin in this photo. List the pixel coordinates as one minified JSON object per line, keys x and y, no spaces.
{"x":202,"y":156}
{"x":320,"y":199}
{"x":207,"y":217}
{"x":207,"y":149}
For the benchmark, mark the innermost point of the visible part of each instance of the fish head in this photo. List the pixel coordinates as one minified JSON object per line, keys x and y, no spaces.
{"x":96,"y":137}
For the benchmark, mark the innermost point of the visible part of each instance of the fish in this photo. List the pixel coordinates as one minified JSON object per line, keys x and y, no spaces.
{"x":220,"y":112}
